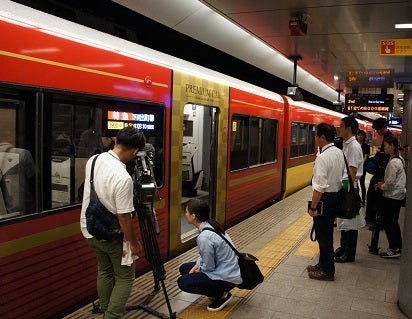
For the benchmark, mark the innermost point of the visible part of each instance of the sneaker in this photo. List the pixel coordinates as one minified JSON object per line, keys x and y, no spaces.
{"x":391,"y":253}
{"x":310,"y":268}
{"x":220,"y":303}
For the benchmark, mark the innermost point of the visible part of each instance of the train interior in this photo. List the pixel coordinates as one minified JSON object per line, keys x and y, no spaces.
{"x":198,"y":159}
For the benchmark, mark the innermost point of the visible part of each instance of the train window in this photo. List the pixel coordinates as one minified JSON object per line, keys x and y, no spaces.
{"x":302,"y":141}
{"x":17,"y":153}
{"x":239,"y":142}
{"x":47,"y":137}
{"x":311,"y":139}
{"x":253,"y":141}
{"x":81,"y":127}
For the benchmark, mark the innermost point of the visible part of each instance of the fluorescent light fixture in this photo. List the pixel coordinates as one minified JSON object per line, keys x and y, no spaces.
{"x":403,"y":26}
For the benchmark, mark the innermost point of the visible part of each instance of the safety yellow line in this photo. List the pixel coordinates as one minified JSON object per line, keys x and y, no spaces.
{"x":75,"y":67}
{"x":270,"y":256}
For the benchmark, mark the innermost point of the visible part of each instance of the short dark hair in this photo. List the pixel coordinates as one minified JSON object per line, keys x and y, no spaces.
{"x":202,"y":211}
{"x":326,"y":129}
{"x":379,"y":123}
{"x":131,"y":137}
{"x":361,"y":132}
{"x":351,"y":122}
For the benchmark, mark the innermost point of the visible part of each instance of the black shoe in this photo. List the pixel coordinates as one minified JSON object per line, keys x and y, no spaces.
{"x":344,"y":259}
{"x":391,"y":253}
{"x":220,"y":303}
{"x":339,"y":251}
{"x":310,"y":268}
{"x":320,"y":275}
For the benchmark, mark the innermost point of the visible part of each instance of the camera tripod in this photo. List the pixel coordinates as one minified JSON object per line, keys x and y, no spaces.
{"x":149,"y":228}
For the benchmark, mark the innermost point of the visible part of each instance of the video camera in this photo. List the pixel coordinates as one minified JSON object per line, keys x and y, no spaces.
{"x":144,"y":183}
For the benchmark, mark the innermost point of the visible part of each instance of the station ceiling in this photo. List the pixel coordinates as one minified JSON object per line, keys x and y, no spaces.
{"x":341,"y":35}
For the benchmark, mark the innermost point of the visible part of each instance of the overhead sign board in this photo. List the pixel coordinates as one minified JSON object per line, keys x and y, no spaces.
{"x":395,"y":121}
{"x":395,"y":47}
{"x":368,"y":103}
{"x":370,"y":79}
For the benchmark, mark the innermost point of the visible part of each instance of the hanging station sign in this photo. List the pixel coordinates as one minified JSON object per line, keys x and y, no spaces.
{"x":368,"y":103}
{"x":370,"y":79}
{"x":395,"y":47}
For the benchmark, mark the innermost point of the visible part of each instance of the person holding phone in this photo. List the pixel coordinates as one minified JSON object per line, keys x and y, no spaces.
{"x":326,"y":183}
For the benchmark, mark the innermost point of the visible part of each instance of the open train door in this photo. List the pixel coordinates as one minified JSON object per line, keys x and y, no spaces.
{"x":198,"y":153}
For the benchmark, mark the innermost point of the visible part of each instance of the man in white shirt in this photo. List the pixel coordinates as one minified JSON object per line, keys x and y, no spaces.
{"x":354,"y":157}
{"x":326,"y":183}
{"x":114,"y":188}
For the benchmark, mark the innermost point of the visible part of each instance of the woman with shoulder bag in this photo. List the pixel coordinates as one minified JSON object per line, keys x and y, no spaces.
{"x":216,"y":271}
{"x":393,"y":193}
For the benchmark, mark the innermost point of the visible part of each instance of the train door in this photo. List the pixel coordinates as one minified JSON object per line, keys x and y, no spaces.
{"x":198,"y":159}
{"x":198,"y":156}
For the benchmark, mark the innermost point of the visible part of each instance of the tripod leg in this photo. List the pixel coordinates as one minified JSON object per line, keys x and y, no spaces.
{"x":153,"y":256}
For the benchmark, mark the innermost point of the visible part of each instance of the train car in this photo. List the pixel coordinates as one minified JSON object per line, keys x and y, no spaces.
{"x":255,"y":159}
{"x":300,"y":148}
{"x":65,"y":91}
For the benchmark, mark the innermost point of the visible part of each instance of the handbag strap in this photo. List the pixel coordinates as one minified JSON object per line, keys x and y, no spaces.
{"x":224,"y":238}
{"x":92,"y":190}
{"x":351,"y":187}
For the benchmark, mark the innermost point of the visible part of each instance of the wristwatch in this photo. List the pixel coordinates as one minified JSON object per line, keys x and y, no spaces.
{"x":313,"y":209}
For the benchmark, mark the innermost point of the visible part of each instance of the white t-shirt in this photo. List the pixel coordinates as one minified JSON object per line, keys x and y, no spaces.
{"x":113,"y":186}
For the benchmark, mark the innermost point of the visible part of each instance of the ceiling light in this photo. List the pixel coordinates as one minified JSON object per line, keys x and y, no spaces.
{"x":403,"y":26}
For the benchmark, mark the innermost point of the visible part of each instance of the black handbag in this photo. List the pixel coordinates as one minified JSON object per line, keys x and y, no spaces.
{"x":249,"y":270}
{"x":100,"y":222}
{"x":350,"y":201}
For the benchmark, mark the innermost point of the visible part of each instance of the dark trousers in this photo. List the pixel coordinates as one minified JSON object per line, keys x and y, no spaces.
{"x":373,"y":197}
{"x":363,"y":187}
{"x":324,"y":232}
{"x":348,"y":242}
{"x":389,"y":210}
{"x":200,"y":284}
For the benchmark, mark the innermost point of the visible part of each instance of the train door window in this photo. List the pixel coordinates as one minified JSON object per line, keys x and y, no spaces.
{"x":198,"y":160}
{"x":253,"y":141}
{"x":18,"y":170}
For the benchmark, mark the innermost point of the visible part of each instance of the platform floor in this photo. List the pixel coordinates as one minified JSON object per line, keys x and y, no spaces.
{"x":279,"y":237}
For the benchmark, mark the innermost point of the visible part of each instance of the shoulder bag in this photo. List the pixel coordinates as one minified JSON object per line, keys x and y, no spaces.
{"x":100,"y":222}
{"x":349,"y":200}
{"x":249,"y":270}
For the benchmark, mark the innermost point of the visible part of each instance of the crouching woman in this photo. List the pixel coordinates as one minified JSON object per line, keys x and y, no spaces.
{"x":216,"y":271}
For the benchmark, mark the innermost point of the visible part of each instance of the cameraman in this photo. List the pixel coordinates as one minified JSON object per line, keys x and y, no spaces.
{"x":381,"y":127}
{"x":114,"y":188}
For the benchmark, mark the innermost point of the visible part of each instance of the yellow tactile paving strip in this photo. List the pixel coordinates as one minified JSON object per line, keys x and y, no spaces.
{"x":270,"y":256}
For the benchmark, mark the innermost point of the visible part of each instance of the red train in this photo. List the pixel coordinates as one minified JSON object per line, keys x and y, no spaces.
{"x":65,"y":90}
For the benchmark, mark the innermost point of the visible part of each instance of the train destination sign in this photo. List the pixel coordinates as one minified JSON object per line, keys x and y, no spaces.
{"x":370,"y":79}
{"x":368,"y":103}
{"x":395,"y":47}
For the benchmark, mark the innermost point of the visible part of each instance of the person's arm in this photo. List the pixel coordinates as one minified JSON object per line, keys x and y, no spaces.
{"x":127,"y":226}
{"x":353,"y":171}
{"x":316,"y":196}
